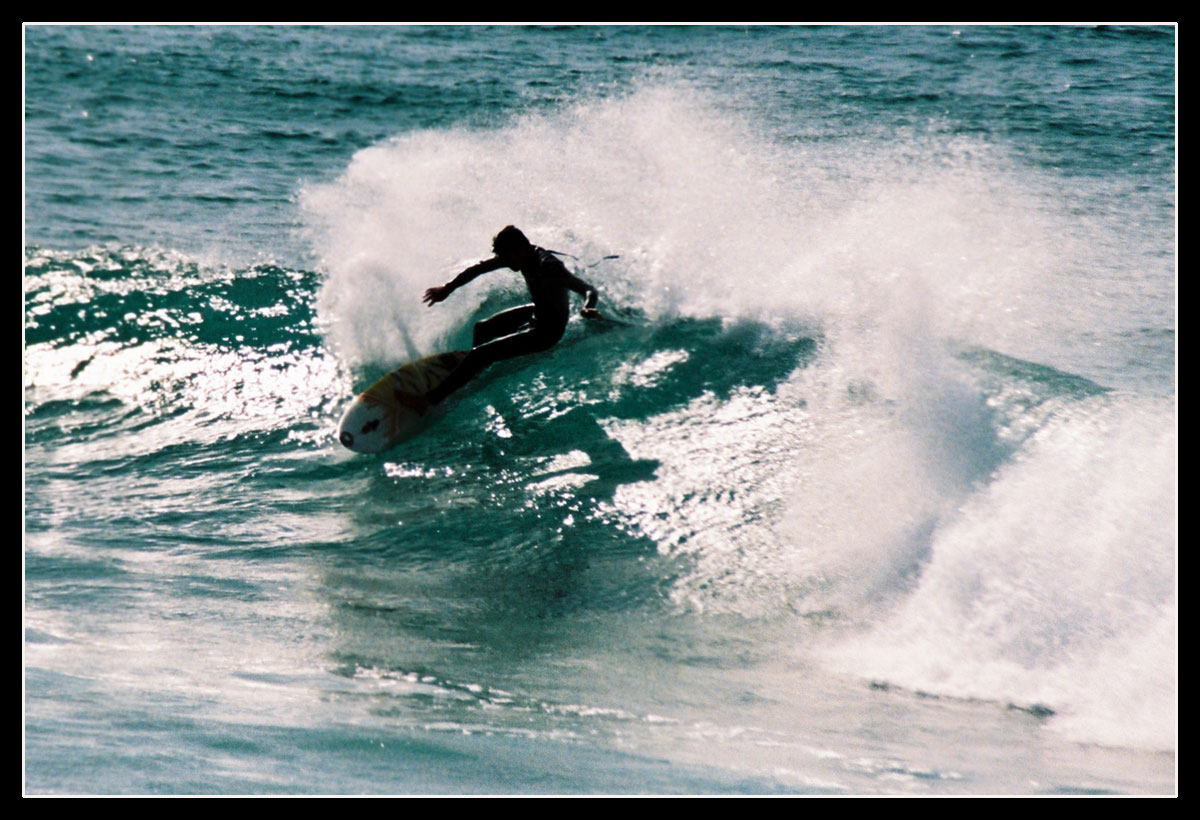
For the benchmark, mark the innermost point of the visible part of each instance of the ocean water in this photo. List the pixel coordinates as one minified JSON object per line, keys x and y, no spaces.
{"x":872,"y":491}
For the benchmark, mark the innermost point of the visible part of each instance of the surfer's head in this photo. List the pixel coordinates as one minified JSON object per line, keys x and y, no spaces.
{"x":510,"y":244}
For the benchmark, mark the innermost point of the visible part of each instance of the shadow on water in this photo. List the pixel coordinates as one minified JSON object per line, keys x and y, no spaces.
{"x":510,"y":549}
{"x":494,"y":530}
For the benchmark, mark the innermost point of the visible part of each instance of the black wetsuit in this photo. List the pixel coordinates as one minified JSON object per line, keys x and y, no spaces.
{"x":520,"y":330}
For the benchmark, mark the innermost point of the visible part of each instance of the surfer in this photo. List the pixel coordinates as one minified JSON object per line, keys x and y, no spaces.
{"x":521,"y":330}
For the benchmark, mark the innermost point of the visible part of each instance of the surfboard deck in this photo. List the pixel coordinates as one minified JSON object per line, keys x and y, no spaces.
{"x":394,"y":409}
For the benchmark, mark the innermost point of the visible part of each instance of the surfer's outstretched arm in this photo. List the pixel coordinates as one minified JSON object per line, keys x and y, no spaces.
{"x":439,"y":292}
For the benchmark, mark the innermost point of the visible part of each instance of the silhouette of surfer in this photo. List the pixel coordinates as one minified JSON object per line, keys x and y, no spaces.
{"x":521,"y":330}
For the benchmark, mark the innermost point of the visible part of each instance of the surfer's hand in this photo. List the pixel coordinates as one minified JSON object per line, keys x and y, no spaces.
{"x":590,"y":313}
{"x":435,"y":295}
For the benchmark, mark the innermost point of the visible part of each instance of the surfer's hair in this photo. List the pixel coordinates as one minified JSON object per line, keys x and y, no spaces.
{"x":508,"y":240}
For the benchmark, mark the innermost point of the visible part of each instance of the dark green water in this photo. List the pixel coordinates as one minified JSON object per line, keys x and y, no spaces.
{"x":873,"y":492}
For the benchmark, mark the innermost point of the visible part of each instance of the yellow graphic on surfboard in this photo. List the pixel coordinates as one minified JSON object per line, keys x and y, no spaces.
{"x":394,"y":408}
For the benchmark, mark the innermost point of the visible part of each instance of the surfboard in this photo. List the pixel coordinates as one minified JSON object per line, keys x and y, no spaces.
{"x":394,"y":409}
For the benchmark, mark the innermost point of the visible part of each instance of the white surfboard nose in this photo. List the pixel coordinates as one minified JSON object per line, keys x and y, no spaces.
{"x":394,"y":408}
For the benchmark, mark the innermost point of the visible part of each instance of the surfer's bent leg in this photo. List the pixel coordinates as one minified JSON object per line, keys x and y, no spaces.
{"x":503,"y":323}
{"x":531,"y":339}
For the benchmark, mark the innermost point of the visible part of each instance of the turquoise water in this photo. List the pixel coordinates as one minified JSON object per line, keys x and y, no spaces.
{"x":874,"y":491}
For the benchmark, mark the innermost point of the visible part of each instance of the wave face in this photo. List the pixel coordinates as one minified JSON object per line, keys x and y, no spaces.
{"x":872,"y":480}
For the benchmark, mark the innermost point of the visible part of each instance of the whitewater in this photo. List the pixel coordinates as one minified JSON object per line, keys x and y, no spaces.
{"x":873,"y":490}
